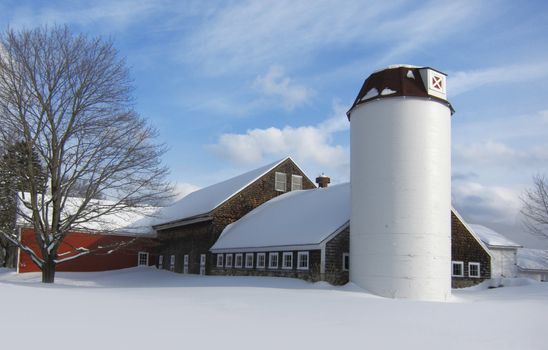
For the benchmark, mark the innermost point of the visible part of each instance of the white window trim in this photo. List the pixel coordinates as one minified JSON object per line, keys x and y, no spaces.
{"x":270,"y":255}
{"x":160,"y":261}
{"x":344,"y":258}
{"x":284,"y":266}
{"x":299,"y":258}
{"x":227,"y":260}
{"x":220,"y":260}
{"x":276,"y":182}
{"x":461,"y":268}
{"x":202,"y":260}
{"x":172,"y":262}
{"x":236,"y":265}
{"x":259,"y":255}
{"x":479,"y":270}
{"x":139,"y":258}
{"x":293,"y":178}
{"x":247,"y":266}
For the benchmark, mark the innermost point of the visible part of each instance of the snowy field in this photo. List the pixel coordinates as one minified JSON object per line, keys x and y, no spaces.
{"x":143,"y":308}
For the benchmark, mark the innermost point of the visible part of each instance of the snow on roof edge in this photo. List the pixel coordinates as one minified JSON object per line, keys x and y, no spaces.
{"x":235,"y":192}
{"x":454,"y":211}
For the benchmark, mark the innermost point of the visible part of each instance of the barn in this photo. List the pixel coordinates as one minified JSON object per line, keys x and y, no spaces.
{"x":305,"y":234}
{"x":188,"y":228}
{"x":115,"y":241}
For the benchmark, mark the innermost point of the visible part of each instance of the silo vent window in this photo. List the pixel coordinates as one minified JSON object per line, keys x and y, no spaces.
{"x":387,"y":91}
{"x":410,"y":74}
{"x":370,"y":94}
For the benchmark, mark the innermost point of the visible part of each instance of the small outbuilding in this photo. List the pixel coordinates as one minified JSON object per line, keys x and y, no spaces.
{"x":533,"y":263}
{"x":503,"y":252}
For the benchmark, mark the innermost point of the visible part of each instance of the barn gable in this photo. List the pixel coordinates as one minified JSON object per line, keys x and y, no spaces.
{"x":186,"y":239}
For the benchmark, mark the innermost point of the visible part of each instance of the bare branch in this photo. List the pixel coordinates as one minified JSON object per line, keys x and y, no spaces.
{"x":535,"y":207}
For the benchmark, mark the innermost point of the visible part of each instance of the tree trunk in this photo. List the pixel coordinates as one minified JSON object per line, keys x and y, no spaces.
{"x":48,"y":271}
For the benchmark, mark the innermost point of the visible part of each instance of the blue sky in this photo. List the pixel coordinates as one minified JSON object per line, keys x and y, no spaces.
{"x":233,"y":85}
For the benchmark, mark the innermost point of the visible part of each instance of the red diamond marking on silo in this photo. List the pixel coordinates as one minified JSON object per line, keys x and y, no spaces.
{"x":437,"y":83}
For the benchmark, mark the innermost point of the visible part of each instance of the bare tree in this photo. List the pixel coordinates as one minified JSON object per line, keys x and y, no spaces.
{"x":68,"y":98}
{"x":535,"y":207}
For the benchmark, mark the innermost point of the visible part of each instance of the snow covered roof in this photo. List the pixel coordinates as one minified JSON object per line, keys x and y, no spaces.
{"x":492,"y":238}
{"x":532,"y":259}
{"x":133,"y":221}
{"x":204,"y":200}
{"x":296,"y":218}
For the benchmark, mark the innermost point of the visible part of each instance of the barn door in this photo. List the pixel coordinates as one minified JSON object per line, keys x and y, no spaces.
{"x":202,"y":264}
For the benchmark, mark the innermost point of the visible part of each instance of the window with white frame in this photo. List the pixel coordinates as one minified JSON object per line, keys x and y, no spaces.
{"x":228,"y":260}
{"x":220,"y":260}
{"x":287,"y":260}
{"x":457,"y":269}
{"x":185,"y":264}
{"x":160,"y":261}
{"x":238,"y":260}
{"x":280,"y":182}
{"x":172,"y":262}
{"x":302,"y":261}
{"x":296,"y":182}
{"x":142,"y":259}
{"x":474,"y":269}
{"x":249,"y":260}
{"x":272,"y":260}
{"x":261,"y":260}
{"x":346,"y":262}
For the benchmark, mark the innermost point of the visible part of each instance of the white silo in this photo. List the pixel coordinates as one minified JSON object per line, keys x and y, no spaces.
{"x":400,"y":226}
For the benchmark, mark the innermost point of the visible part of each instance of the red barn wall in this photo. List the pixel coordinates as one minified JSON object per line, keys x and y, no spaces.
{"x":97,"y":260}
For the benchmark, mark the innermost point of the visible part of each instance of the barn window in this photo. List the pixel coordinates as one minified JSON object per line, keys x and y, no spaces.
{"x":280,"y":182}
{"x":185,"y":264}
{"x":346,"y":262}
{"x":143,"y":259}
{"x":238,"y":262}
{"x":458,"y":269}
{"x":302,"y":261}
{"x":220,"y":260}
{"x":474,"y":269}
{"x":160,"y":261}
{"x":287,"y":260}
{"x":261,"y":260}
{"x":249,"y":261}
{"x":228,"y":261}
{"x":172,"y":262}
{"x":296,"y":182}
{"x":273,"y":260}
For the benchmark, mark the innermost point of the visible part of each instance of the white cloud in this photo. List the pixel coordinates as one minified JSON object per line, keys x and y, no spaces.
{"x":486,"y":204}
{"x":464,"y":81}
{"x":310,"y":146}
{"x":111,"y":13}
{"x":276,"y":83}
{"x":183,"y":188}
{"x":254,"y":34}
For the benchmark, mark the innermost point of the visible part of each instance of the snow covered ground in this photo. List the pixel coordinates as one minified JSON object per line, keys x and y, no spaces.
{"x":143,"y":308}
